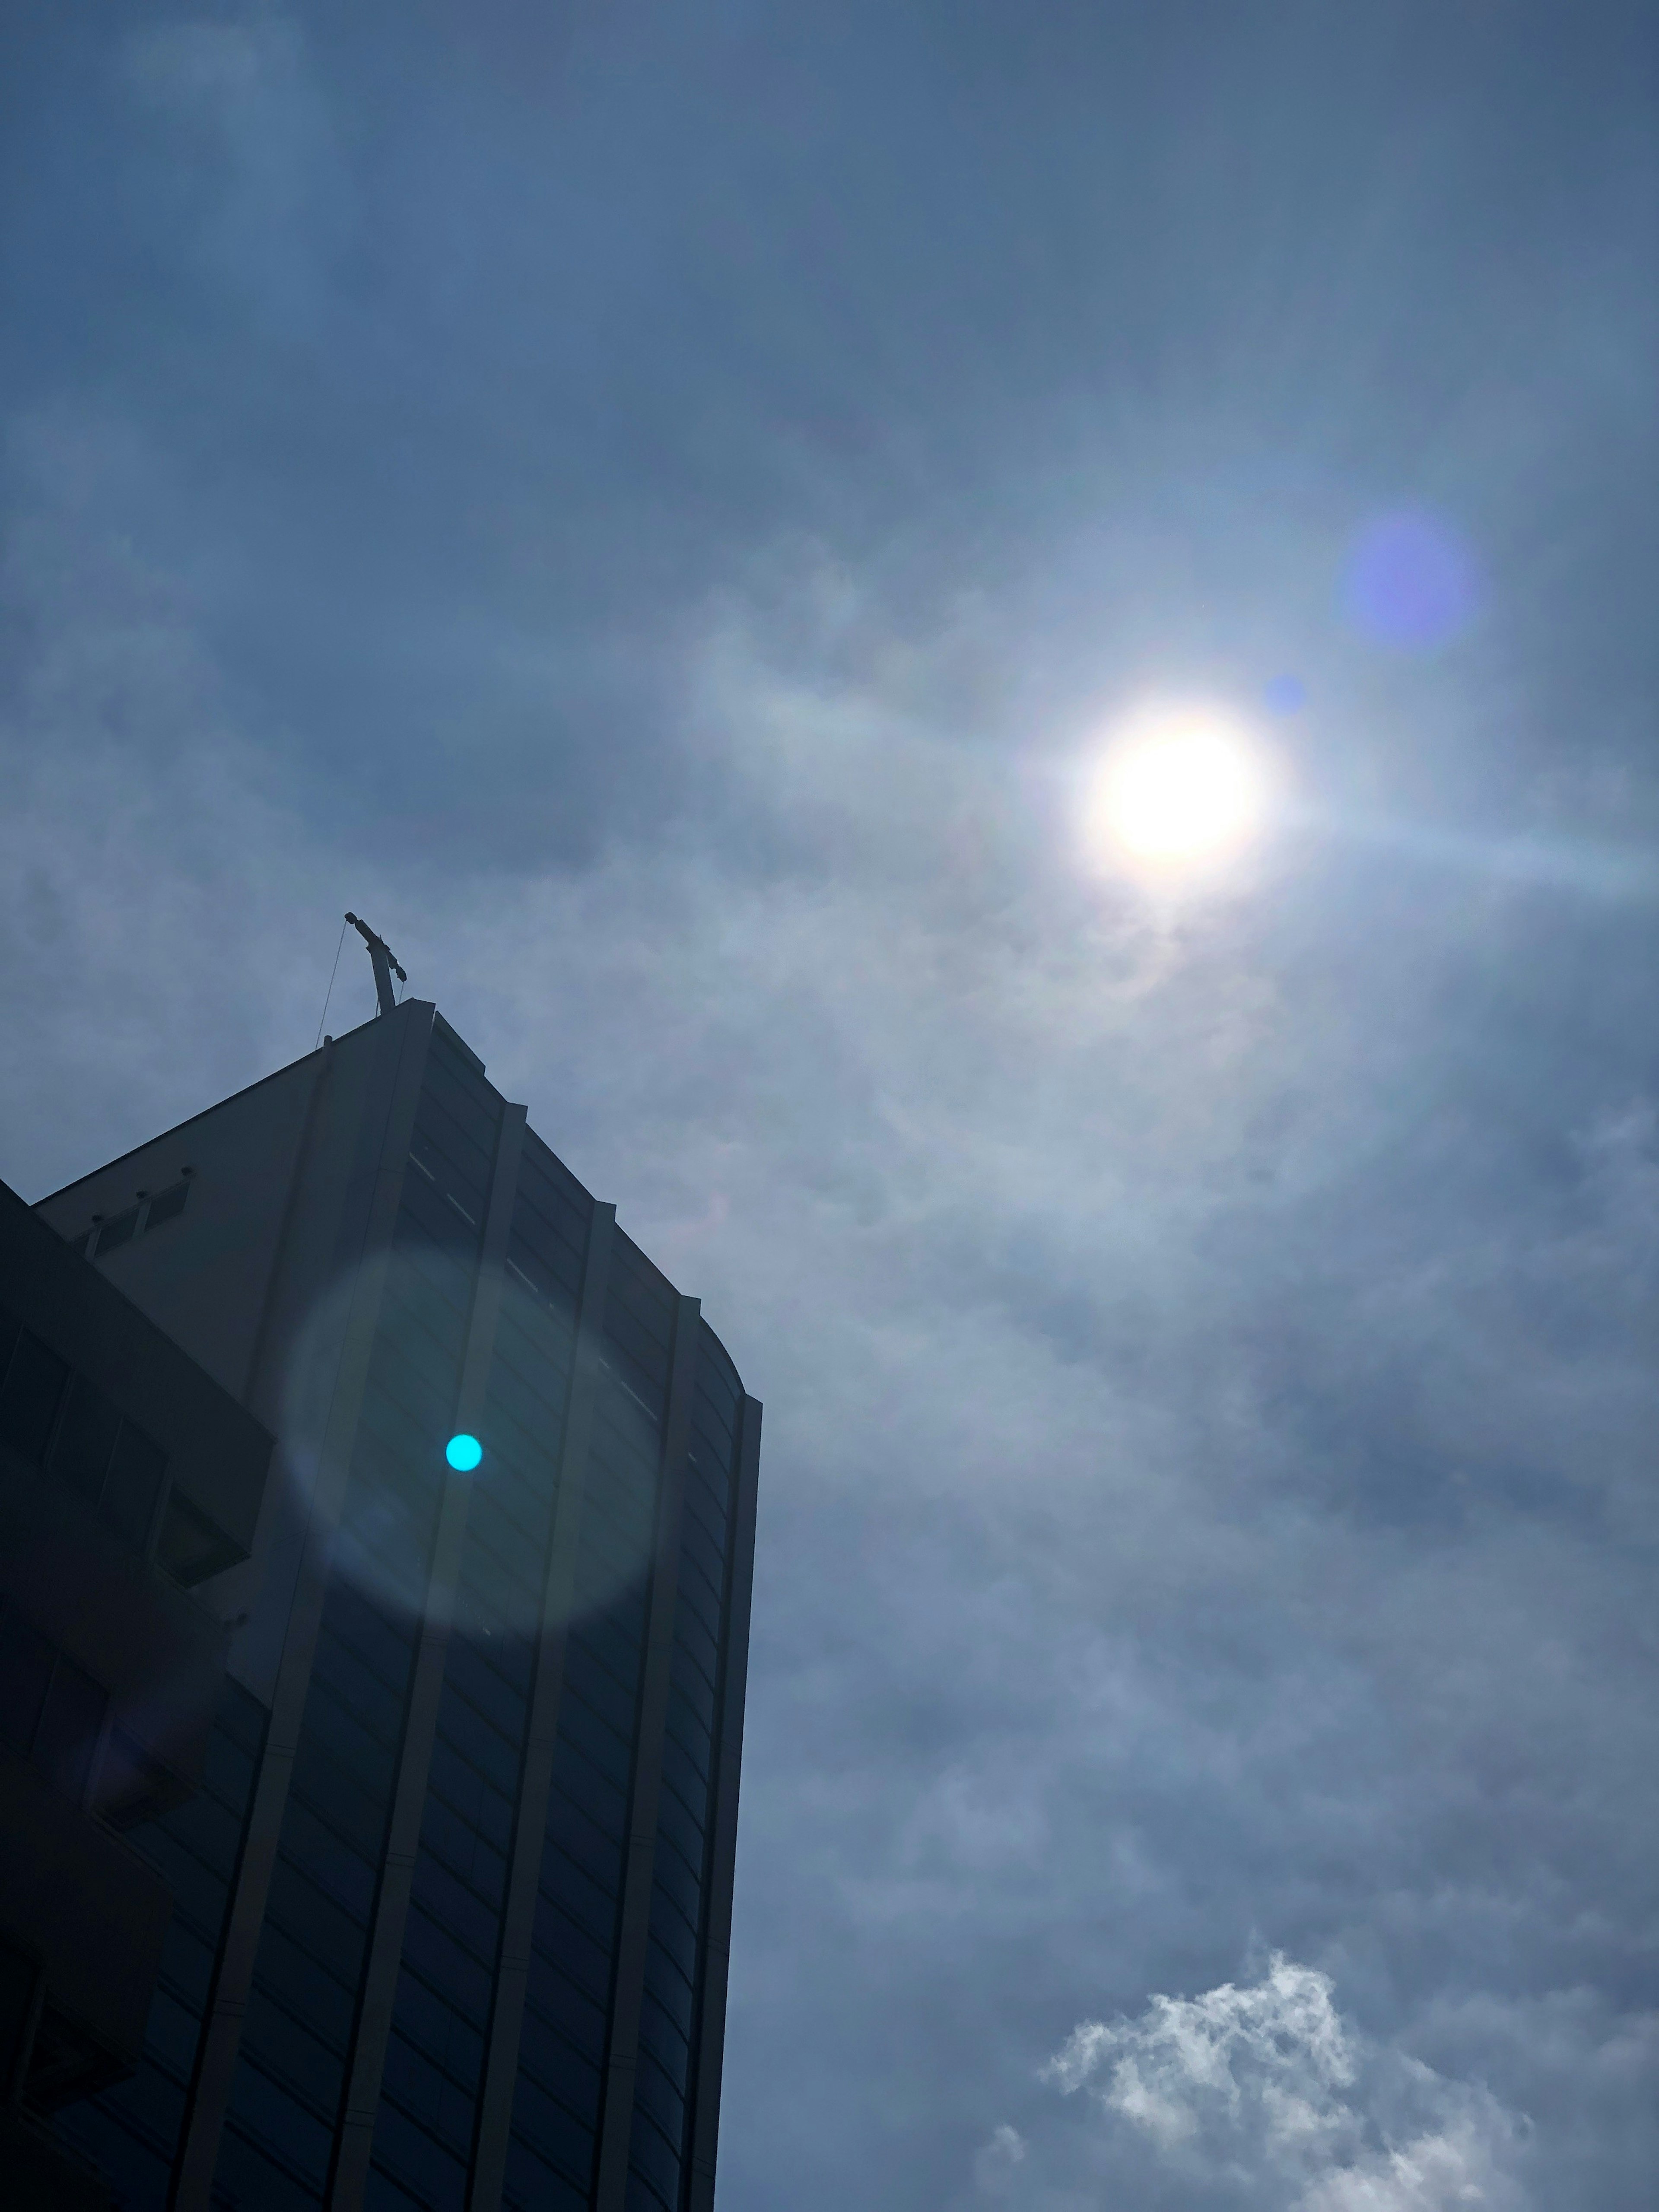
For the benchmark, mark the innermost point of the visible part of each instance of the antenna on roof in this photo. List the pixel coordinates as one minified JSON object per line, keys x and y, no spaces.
{"x":386,"y":965}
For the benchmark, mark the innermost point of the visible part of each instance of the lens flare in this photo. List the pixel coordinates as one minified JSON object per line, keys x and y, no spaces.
{"x":1177,"y":788}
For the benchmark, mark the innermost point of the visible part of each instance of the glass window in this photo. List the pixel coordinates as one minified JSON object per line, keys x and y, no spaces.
{"x":564,"y":2005}
{"x":170,"y":2034}
{"x":312,"y":2069}
{"x":599,"y":1798}
{"x":691,"y":1711}
{"x":185,"y":1874}
{"x":382,"y":2194}
{"x":140,"y":2171}
{"x":665,"y":2040}
{"x":157,"y":2110}
{"x":86,"y":1439}
{"x":694,"y":1591}
{"x":683,"y":1883}
{"x":557,"y":2134}
{"x":671,"y":1989}
{"x":456,"y":1909}
{"x":613,"y":1700}
{"x":227,"y":1769}
{"x":167,"y":1206}
{"x":680,"y":1769}
{"x":697,"y":1544}
{"x":676,"y":1935}
{"x":247,"y":2175}
{"x":695,"y":1643}
{"x":437,"y":2029}
{"x":378,"y":1704}
{"x":118,"y":1231}
{"x":280,"y":2123}
{"x":531,"y":2185}
{"x":463,"y":1850}
{"x":348,"y":1615}
{"x":25,"y":1663}
{"x":347,"y":1737}
{"x":331,"y":1792}
{"x":571,"y":1829}
{"x":446,"y":1966}
{"x":29,"y":1397}
{"x":303,"y":1988}
{"x":466,"y":1788}
{"x":660,"y":2099}
{"x":701,"y":1507}
{"x":297,"y":1905}
{"x":580,"y":1725}
{"x":567,"y":1947}
{"x":542,"y":1265}
{"x":483,"y":1689}
{"x":133,"y":1484}
{"x":615,"y":1643}
{"x":464,"y":1727}
{"x":419,"y":2088}
{"x":186,"y":1962}
{"x":676,"y":1821}
{"x":554,"y":2061}
{"x":189,"y":1546}
{"x":66,"y":1737}
{"x":589,"y":1903}
{"x":651,"y":2155}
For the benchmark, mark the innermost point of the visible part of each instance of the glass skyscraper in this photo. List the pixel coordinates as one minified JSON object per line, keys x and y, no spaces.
{"x":451,"y":1907}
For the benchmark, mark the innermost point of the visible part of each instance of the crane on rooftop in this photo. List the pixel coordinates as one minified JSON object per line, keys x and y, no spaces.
{"x":386,"y":965}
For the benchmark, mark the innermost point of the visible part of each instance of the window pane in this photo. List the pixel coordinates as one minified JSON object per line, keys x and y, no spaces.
{"x":28,"y":1401}
{"x":118,"y":1231}
{"x":190,"y":1547}
{"x":167,"y":1203}
{"x":86,"y":1439}
{"x":134,"y":1483}
{"x":66,"y":1741}
{"x":25,"y":1660}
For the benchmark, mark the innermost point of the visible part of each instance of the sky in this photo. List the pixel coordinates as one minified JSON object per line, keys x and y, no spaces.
{"x":658,"y":504}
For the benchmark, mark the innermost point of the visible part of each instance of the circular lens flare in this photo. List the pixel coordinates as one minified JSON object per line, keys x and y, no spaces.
{"x":464,"y":1453}
{"x":1178,"y":788}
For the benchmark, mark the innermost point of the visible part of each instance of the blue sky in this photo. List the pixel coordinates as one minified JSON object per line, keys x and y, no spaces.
{"x":651,"y":503}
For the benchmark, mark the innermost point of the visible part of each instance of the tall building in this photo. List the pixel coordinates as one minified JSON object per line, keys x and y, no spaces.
{"x":127,"y":1476}
{"x":464,"y":1937}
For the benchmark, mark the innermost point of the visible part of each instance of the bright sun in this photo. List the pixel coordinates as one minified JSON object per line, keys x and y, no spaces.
{"x":1178,"y":787}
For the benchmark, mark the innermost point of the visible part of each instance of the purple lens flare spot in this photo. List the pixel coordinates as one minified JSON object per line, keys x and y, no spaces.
{"x":1411,"y":582}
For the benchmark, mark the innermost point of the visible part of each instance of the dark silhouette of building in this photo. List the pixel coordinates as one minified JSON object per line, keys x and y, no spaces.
{"x":128,"y":1478}
{"x":464,"y":1930}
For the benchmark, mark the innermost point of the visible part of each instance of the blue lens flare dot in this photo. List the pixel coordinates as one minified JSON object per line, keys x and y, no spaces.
{"x":1286,"y":695}
{"x":1412,"y":581}
{"x":464,"y":1453}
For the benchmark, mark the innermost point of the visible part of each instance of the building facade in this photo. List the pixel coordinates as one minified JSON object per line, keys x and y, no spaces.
{"x":128,"y":1480}
{"x":465,"y":1908}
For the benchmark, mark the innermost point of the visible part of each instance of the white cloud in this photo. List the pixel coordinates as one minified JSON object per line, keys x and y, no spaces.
{"x":995,"y":2162}
{"x":1265,"y":2093}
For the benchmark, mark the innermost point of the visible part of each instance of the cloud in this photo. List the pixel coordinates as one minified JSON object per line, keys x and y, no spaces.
{"x":1264,"y":2094}
{"x":995,"y":2162}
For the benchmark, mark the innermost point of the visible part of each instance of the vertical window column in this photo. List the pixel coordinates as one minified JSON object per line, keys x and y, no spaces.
{"x":358,"y":2121}
{"x":709,"y":2035}
{"x":386,"y":1128}
{"x":610,"y":2189}
{"x":507,"y":2022}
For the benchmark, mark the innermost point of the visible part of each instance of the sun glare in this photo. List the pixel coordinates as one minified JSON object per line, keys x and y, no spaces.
{"x":1177,"y":788}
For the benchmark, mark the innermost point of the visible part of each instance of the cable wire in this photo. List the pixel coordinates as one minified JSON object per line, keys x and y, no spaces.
{"x":332,"y":973}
